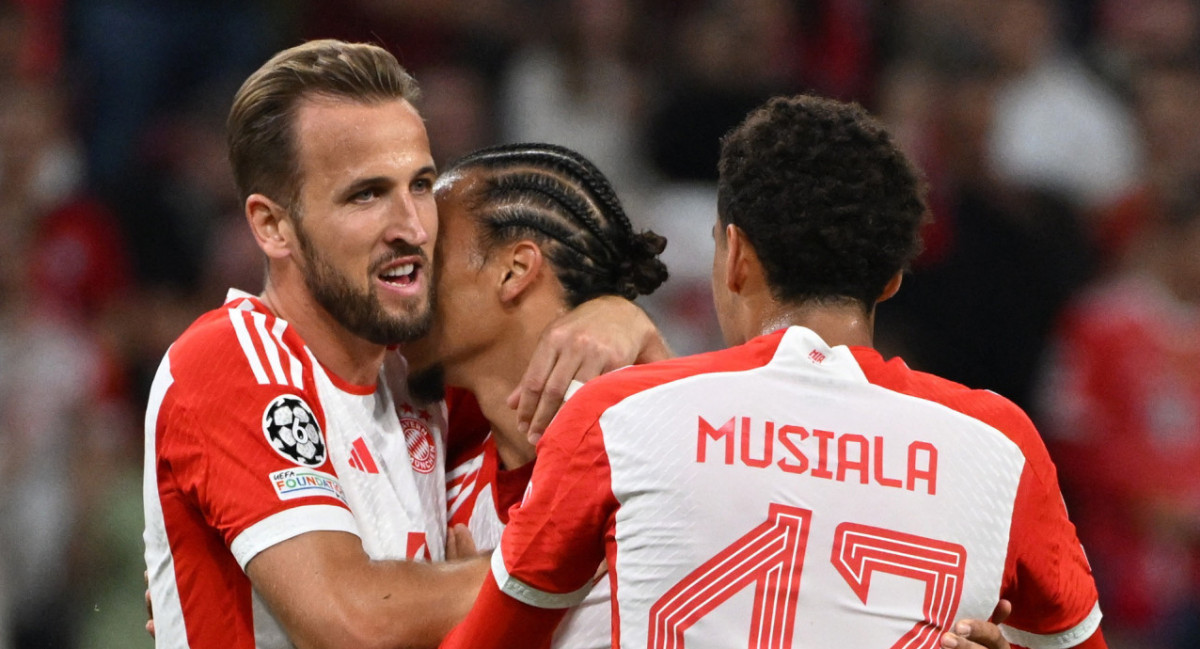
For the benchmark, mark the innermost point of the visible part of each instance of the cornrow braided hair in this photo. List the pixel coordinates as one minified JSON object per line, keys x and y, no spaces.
{"x":559,"y":198}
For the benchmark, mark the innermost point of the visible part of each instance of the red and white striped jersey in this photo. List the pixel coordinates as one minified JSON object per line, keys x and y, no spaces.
{"x":787,"y":494}
{"x":250,"y":442}
{"x":479,"y":495}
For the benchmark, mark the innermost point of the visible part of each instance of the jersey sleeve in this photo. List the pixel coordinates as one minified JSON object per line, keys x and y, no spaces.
{"x":1047,"y":576}
{"x":496,"y":620}
{"x":249,"y":454}
{"x":554,"y":541}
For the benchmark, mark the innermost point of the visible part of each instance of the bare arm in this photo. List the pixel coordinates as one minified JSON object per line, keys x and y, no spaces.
{"x":598,"y":336}
{"x":328,"y":593}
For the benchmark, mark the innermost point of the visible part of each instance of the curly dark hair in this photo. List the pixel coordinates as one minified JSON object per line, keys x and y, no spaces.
{"x":558,"y":198}
{"x":829,"y":203}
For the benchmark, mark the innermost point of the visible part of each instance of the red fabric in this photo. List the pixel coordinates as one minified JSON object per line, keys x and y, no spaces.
{"x":1047,"y":577}
{"x":496,"y":616}
{"x":213,"y":462}
{"x":80,"y":262}
{"x":1123,"y":415}
{"x":510,"y":488}
{"x":466,"y":423}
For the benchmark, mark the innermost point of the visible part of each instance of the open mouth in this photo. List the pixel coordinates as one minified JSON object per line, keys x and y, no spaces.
{"x":401,"y":274}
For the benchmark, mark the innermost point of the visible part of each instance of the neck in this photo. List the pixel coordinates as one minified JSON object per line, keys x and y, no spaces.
{"x":836,"y":323}
{"x":495,"y":371}
{"x":346,"y":355}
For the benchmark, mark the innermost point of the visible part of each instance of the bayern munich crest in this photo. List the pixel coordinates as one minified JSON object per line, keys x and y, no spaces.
{"x":293,"y":431}
{"x":420,"y":444}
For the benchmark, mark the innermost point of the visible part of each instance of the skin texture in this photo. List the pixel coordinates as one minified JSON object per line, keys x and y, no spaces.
{"x":366,"y":205}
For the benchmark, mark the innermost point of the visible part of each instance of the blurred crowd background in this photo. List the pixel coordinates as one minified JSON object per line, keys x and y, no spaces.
{"x":1060,"y":139}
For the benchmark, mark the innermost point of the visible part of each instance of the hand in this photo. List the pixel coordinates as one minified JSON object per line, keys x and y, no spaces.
{"x":459,"y":544}
{"x":598,"y":336}
{"x":149,"y":608}
{"x":977,"y":634}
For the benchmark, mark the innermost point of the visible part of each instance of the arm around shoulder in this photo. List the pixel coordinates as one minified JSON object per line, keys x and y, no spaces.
{"x":598,"y":336}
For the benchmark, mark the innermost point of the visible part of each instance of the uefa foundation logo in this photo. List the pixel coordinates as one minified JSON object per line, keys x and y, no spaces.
{"x":292,"y":429}
{"x":420,"y":444}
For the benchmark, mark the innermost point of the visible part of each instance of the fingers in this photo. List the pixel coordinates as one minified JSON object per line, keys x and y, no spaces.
{"x":554,"y":395}
{"x":149,"y":606}
{"x":451,"y":544}
{"x":551,"y":399}
{"x":529,"y":391}
{"x":974,"y":634}
{"x":459,"y":544}
{"x":1003,"y":610}
{"x":656,"y":348}
{"x":593,"y":365}
{"x":598,"y":336}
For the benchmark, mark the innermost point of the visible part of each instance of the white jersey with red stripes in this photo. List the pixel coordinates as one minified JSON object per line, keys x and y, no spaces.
{"x":788,"y":494}
{"x":250,"y":442}
{"x":478,"y":498}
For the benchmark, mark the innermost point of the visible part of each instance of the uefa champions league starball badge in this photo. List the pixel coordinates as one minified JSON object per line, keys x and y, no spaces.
{"x":293,"y":431}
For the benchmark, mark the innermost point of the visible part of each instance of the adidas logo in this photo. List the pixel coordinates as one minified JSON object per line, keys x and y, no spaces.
{"x":360,"y":457}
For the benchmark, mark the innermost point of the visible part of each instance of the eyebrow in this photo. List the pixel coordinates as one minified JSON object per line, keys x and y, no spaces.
{"x":366,"y":183}
{"x":383,"y":181}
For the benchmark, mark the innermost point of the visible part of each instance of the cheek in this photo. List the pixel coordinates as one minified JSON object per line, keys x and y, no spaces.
{"x":347,"y":239}
{"x":427,"y":214}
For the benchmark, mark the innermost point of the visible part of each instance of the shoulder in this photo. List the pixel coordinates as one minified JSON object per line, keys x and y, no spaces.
{"x":236,"y":345}
{"x":607,"y":390}
{"x":985,"y":406}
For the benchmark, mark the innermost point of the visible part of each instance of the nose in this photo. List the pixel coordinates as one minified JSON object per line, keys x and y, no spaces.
{"x":405,"y":222}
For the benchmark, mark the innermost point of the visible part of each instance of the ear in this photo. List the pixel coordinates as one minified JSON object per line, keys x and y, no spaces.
{"x":738,"y":258}
{"x":520,"y":268}
{"x":891,"y":287}
{"x":271,"y":225}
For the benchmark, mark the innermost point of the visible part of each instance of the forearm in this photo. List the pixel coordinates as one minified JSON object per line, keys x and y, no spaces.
{"x":335,"y":596}
{"x":413,"y":604}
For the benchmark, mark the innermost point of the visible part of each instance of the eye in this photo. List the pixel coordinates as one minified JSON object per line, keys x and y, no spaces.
{"x":422,"y":185}
{"x":364,"y":196}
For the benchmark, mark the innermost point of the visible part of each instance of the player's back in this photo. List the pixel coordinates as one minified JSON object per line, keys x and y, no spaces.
{"x":805,"y":496}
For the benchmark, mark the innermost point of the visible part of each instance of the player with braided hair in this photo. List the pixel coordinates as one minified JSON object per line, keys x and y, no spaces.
{"x":561,"y":198}
{"x":527,"y":231}
{"x":551,"y":190}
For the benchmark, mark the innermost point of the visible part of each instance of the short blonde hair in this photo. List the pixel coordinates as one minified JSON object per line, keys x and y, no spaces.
{"x":262,"y":148}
